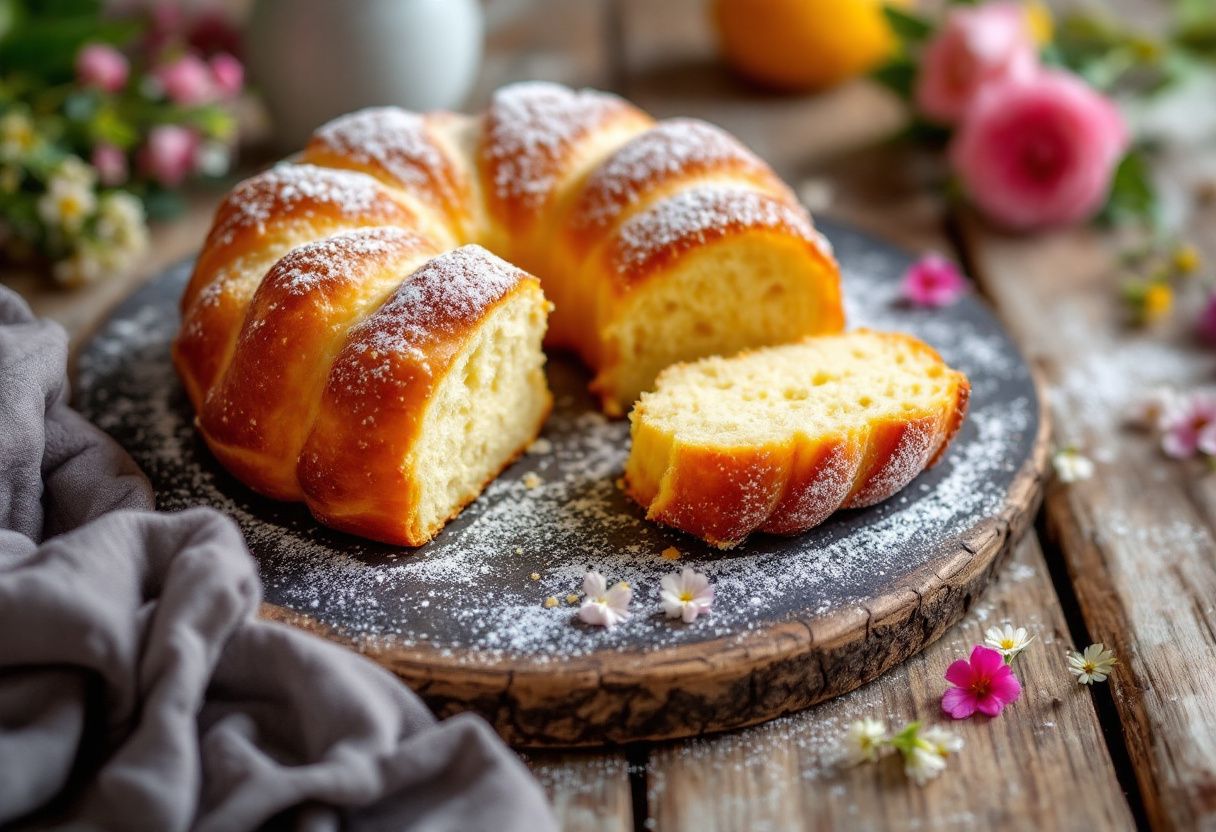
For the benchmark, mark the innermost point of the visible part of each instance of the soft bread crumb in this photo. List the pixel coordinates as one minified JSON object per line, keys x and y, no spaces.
{"x":551,"y":602}
{"x":540,"y":447}
{"x":535,"y":576}
{"x":531,"y":480}
{"x":572,"y":599}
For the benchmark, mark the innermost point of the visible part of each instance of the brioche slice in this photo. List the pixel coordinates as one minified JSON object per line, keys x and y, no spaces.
{"x":429,"y":398}
{"x":779,"y":438}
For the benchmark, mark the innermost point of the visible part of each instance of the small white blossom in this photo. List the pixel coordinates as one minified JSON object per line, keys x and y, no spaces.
{"x":686,"y":595}
{"x":1008,"y":641}
{"x":75,"y":170}
{"x":927,"y":757}
{"x":82,"y":268}
{"x":17,"y":135}
{"x":213,"y":159}
{"x":67,"y":203}
{"x":1093,"y":665}
{"x":602,"y":606}
{"x":121,"y":226}
{"x":865,"y":740}
{"x":1072,"y":466}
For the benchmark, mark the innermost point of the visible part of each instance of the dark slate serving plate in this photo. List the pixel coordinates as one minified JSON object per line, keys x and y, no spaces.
{"x":463,"y":618}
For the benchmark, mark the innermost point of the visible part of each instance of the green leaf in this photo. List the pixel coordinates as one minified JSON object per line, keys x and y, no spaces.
{"x":1132,"y":198}
{"x":898,"y":76}
{"x":905,"y":740}
{"x":46,"y":48}
{"x":906,"y":25}
{"x":161,"y":204}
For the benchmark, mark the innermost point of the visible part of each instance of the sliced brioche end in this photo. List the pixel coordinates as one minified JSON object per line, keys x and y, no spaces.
{"x":752,"y":289}
{"x":484,"y":414}
{"x":779,"y":438}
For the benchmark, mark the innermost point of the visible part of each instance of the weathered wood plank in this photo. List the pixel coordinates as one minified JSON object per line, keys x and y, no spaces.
{"x":590,"y":792}
{"x":1138,"y":538}
{"x":1042,"y":764}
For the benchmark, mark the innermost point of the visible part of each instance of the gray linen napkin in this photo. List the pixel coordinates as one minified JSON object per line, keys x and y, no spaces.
{"x":138,"y":689}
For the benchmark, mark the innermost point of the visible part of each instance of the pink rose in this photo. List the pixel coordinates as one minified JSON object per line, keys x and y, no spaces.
{"x":102,"y":67}
{"x":111,"y":164}
{"x":976,"y":46}
{"x":187,"y":81}
{"x":168,"y":157}
{"x":227,"y":75}
{"x":1039,"y":151}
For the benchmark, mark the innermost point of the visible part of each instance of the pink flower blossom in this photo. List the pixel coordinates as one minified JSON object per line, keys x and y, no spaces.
{"x":187,"y":81}
{"x":227,"y":75}
{"x":1040,"y":151}
{"x":1205,"y":325}
{"x":102,"y":67}
{"x":1188,"y":426}
{"x":111,"y":164}
{"x":932,"y":281}
{"x":976,"y":46}
{"x":985,"y":684}
{"x":169,"y":154}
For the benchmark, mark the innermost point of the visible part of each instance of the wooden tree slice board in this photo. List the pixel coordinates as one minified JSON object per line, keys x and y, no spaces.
{"x":463,"y":619}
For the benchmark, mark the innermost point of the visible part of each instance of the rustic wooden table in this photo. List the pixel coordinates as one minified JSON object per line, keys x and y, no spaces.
{"x":1127,"y":558}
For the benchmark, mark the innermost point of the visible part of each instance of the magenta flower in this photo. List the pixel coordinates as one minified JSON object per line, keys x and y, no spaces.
{"x":227,"y":75}
{"x":111,"y":164}
{"x":975,"y":47}
{"x":187,"y":81}
{"x":168,"y":157}
{"x":1188,"y":426}
{"x":102,"y":67}
{"x":985,"y":684}
{"x":1040,"y":151}
{"x":932,"y":281}
{"x":1205,"y":325}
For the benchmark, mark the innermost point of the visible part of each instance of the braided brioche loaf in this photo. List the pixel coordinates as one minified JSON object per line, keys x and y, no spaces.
{"x":317,"y":376}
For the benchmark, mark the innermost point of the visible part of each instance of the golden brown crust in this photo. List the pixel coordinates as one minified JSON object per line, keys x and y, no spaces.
{"x":262,"y":219}
{"x":257,"y":417}
{"x":655,"y":163}
{"x":723,"y":494}
{"x":354,"y":468}
{"x":651,"y":240}
{"x":531,"y":135}
{"x":400,"y":149}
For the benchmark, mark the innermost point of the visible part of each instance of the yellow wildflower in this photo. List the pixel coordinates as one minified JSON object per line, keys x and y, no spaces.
{"x":1039,"y":22}
{"x":1186,"y":258}
{"x":1158,"y":301}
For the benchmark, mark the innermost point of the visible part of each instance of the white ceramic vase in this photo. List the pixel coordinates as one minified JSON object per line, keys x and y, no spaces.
{"x":313,"y":60}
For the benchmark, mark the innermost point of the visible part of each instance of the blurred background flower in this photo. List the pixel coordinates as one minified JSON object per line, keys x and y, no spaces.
{"x":104,"y":113}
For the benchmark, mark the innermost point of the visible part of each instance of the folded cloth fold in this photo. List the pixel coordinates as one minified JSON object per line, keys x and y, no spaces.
{"x":138,"y":687}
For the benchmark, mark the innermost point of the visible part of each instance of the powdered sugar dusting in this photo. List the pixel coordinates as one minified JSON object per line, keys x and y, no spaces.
{"x":394,"y":141}
{"x":446,"y":292}
{"x":339,"y":257}
{"x":469,"y":592}
{"x":286,"y":188}
{"x":531,"y":126}
{"x":676,"y":147}
{"x":699,"y":214}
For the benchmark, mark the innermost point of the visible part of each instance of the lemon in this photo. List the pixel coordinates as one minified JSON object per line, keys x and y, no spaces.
{"x":803,"y":44}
